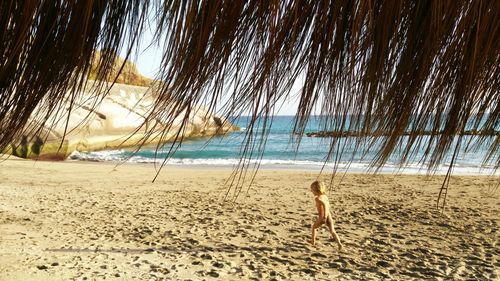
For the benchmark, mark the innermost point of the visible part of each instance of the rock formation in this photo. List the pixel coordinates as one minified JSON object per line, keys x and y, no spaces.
{"x":119,"y":121}
{"x":337,"y":134}
{"x":128,"y":72}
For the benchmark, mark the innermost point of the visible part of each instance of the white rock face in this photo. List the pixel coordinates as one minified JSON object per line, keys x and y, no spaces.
{"x":119,"y":121}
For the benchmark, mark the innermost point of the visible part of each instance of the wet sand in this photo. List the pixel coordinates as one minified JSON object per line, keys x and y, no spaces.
{"x":90,"y":221}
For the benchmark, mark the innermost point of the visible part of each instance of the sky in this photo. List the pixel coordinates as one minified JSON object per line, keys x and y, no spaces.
{"x":148,"y":61}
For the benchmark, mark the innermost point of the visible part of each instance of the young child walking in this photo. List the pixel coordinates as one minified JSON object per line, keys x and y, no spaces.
{"x":324,"y":213}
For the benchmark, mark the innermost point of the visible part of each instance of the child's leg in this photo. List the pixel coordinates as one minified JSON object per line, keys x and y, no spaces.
{"x":314,"y":230}
{"x":329,"y":223}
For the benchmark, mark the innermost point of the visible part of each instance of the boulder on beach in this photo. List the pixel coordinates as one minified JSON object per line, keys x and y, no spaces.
{"x":120,"y":120}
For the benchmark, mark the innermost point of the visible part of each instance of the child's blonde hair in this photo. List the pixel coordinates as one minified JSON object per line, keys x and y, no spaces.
{"x":318,"y":187}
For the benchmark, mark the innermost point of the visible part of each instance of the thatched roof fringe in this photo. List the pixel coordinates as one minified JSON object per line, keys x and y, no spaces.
{"x":392,"y":66}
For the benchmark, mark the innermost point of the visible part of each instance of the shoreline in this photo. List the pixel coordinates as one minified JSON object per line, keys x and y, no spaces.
{"x":410,"y":171}
{"x":326,"y":170}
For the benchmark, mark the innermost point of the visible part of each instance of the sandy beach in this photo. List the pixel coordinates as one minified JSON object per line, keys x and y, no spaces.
{"x":92,"y":221}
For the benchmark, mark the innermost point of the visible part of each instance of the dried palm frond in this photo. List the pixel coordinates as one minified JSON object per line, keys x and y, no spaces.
{"x":366,"y":66}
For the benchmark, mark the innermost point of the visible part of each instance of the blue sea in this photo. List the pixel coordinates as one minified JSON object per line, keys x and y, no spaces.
{"x":281,"y":152}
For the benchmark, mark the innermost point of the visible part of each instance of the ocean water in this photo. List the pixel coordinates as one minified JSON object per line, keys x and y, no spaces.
{"x":281,"y":152}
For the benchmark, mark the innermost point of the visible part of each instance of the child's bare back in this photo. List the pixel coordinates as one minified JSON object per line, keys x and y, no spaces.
{"x":322,"y":200}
